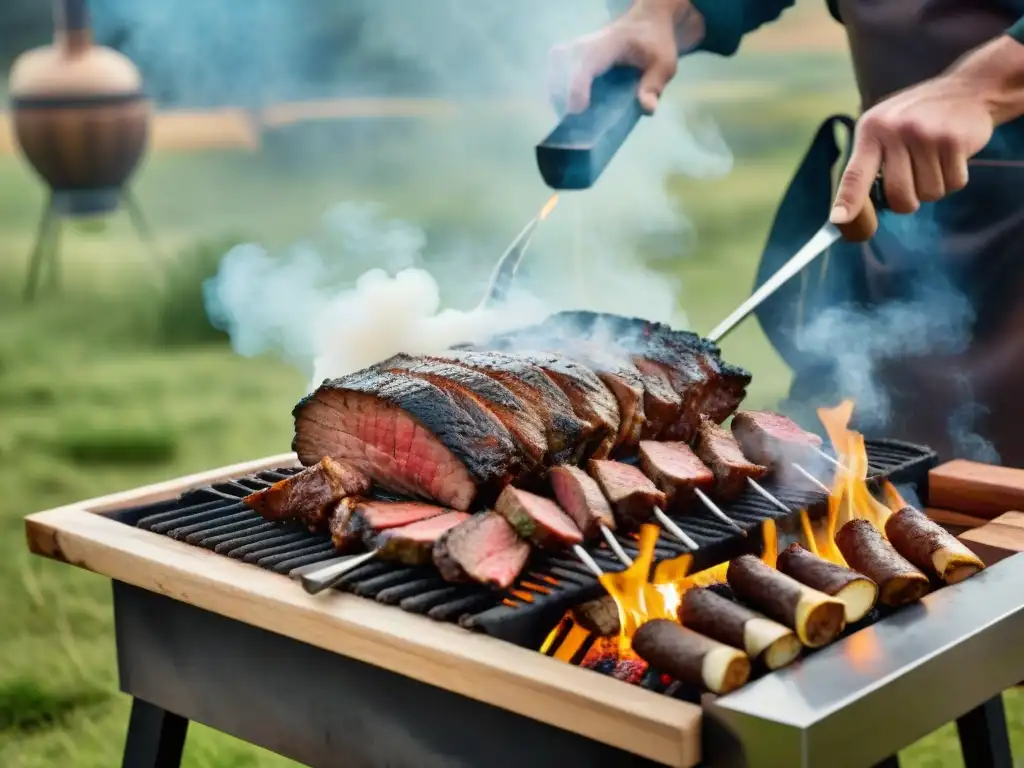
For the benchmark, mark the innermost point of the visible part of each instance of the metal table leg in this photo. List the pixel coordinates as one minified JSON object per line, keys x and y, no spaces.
{"x":984,"y":739}
{"x":893,"y":761}
{"x":156,"y":737}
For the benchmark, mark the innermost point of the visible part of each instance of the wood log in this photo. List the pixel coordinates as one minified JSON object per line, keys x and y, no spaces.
{"x":691,"y":657}
{"x":930,"y":547}
{"x":865,"y":549}
{"x":854,"y":590}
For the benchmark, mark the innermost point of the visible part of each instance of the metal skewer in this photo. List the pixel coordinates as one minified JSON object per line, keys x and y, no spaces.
{"x":767,"y":496}
{"x":811,"y":477}
{"x":713,"y":509}
{"x":323,"y":577}
{"x":587,"y":560}
{"x":669,"y":525}
{"x":615,"y":547}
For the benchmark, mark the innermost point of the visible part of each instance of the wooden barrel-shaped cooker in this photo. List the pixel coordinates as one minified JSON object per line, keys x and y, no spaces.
{"x":79,"y":114}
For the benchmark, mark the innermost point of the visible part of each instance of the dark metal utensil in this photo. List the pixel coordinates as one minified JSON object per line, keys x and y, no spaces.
{"x":577,"y":151}
{"x":508,"y":264}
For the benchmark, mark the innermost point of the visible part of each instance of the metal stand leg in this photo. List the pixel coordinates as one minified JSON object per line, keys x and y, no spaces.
{"x":139,"y":222}
{"x":156,"y":738}
{"x":44,"y":249}
{"x":984,"y":739}
{"x":893,"y":761}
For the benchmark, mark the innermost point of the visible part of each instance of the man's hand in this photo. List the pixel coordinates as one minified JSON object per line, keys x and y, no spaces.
{"x":923,"y":137}
{"x":650,"y":36}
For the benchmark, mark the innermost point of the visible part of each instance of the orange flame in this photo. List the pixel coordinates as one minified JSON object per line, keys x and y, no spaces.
{"x":549,"y":206}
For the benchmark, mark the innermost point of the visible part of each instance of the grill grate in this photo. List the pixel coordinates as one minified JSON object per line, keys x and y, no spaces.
{"x":214,"y":518}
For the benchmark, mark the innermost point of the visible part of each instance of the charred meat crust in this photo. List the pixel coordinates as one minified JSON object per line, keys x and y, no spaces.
{"x":865,"y":550}
{"x":581,"y":498}
{"x":309,"y":495}
{"x":523,"y":424}
{"x":676,"y":470}
{"x":632,"y":495}
{"x":565,"y":432}
{"x":930,"y":547}
{"x":473,"y":436}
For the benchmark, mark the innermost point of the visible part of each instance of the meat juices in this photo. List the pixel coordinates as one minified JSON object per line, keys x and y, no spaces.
{"x":676,"y":471}
{"x":356,"y":521}
{"x":631,"y":494}
{"x":581,"y":498}
{"x":307,"y":496}
{"x":537,"y":519}
{"x":773,"y":439}
{"x":931,"y":547}
{"x":718,"y":449}
{"x":817,"y":618}
{"x":865,"y":550}
{"x":854,"y":590}
{"x":483,"y":549}
{"x":413,"y":544}
{"x":691,"y":657}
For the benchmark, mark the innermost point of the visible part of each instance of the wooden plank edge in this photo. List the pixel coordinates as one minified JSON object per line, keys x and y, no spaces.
{"x":956,"y":520}
{"x":976,"y":489}
{"x":659,"y":728}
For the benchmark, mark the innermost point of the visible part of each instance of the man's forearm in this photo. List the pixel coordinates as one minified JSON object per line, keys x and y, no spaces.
{"x":995,"y":71}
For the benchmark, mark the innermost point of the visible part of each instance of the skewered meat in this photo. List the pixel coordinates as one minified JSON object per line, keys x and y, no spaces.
{"x":676,"y":470}
{"x":537,"y":519}
{"x":771,"y":439}
{"x":718,"y":449}
{"x":581,"y":498}
{"x":307,"y":495}
{"x":522,"y":423}
{"x":565,"y":432}
{"x":408,"y":435}
{"x":361,"y":520}
{"x":632,"y":495}
{"x":483,"y":549}
{"x":413,"y":544}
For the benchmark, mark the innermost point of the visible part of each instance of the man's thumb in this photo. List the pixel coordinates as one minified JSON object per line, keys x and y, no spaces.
{"x":653,"y":83}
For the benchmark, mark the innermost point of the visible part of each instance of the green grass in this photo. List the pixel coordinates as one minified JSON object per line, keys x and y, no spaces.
{"x":119,"y":381}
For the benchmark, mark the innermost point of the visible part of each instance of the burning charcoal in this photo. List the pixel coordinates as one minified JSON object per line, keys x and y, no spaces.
{"x":899,"y":582}
{"x":631,"y":494}
{"x":308,"y":495}
{"x":773,"y":439}
{"x":931,"y":547}
{"x":817,"y":618}
{"x":691,"y":657}
{"x":581,"y":498}
{"x":676,"y":470}
{"x":483,"y":549}
{"x":854,"y":590}
{"x":413,"y":544}
{"x":717,"y":448}
{"x":361,"y":520}
{"x":537,"y":519}
{"x":733,"y":624}
{"x":599,"y":617}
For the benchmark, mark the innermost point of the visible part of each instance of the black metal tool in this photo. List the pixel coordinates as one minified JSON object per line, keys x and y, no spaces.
{"x":577,"y":151}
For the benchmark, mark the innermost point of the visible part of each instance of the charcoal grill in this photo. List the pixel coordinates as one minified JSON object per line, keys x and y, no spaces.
{"x":214,"y":518}
{"x":341,"y":680}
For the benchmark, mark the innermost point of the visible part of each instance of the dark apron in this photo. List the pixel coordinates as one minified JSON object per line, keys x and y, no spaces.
{"x":924,"y":325}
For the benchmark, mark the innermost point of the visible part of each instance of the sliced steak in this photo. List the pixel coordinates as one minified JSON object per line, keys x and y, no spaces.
{"x":524,"y":425}
{"x":413,"y":544}
{"x":484,"y":549}
{"x":772,"y":439}
{"x":632,"y":495}
{"x":537,"y":519}
{"x":361,"y":520}
{"x":676,"y":470}
{"x":408,"y":435}
{"x":581,"y":498}
{"x":662,"y":405}
{"x":307,"y":496}
{"x":717,"y":448}
{"x":591,"y":400}
{"x":566,"y":433}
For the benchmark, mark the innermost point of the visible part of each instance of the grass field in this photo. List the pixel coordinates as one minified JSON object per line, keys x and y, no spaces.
{"x":116,"y":381}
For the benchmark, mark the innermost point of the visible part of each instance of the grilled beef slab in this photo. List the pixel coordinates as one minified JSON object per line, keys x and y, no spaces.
{"x":407,"y":434}
{"x":357,"y":521}
{"x":632,"y":495}
{"x":307,"y":495}
{"x":717,"y":448}
{"x":772,"y":439}
{"x":413,"y":544}
{"x":483,"y":549}
{"x":522,"y":423}
{"x":676,"y":470}
{"x":565,"y":432}
{"x":537,"y":519}
{"x":581,"y":498}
